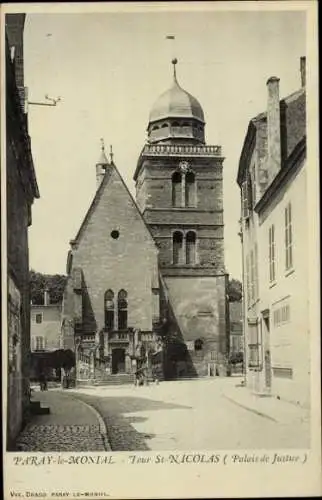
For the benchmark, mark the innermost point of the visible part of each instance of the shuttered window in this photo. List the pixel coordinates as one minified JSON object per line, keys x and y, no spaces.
{"x":288,"y":238}
{"x":271,"y":253}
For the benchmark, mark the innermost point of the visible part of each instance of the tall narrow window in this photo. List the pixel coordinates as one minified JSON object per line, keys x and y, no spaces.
{"x":177,"y":247}
{"x":122,"y":310}
{"x":271,"y":252}
{"x":109,"y":310}
{"x":190,"y":190}
{"x":191,"y":247}
{"x":256,"y":272}
{"x":252,"y":276}
{"x":288,"y":238}
{"x":248,"y":279}
{"x":176,"y":189}
{"x":40,"y":343}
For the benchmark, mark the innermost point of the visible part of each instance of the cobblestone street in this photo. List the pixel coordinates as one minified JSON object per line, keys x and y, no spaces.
{"x":70,"y":426}
{"x":208,"y":414}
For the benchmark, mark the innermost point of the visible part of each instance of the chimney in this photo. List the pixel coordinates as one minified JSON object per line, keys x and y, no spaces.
{"x":46,"y":297}
{"x":273,"y":128}
{"x":303,"y":71}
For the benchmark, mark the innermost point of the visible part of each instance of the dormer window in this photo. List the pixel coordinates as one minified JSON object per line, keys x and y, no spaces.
{"x":246,"y":195}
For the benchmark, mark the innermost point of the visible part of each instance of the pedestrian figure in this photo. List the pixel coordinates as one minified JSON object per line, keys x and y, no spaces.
{"x":42,"y":382}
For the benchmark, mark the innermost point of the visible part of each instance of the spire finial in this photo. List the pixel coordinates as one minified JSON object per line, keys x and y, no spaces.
{"x":111,"y":153}
{"x":102,"y":159}
{"x":174,"y":62}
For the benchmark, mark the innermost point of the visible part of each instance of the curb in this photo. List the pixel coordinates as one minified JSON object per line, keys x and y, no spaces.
{"x":103,"y":428}
{"x":264,"y":415}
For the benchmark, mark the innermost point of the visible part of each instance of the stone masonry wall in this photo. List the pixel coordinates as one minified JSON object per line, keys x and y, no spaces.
{"x":128,"y":262}
{"x":18,"y":268}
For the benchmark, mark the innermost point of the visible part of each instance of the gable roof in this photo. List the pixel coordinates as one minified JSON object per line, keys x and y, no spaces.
{"x":96,"y":200}
{"x":293,"y":129}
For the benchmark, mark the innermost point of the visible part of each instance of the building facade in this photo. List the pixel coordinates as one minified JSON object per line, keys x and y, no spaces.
{"x":154,"y":269}
{"x":45,"y":336}
{"x":272,"y":177}
{"x":22,"y":189}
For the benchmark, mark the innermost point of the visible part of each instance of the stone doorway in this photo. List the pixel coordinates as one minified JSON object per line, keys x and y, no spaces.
{"x":118,"y":361}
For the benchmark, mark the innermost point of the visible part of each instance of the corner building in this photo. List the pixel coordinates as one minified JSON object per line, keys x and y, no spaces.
{"x":179,"y":190}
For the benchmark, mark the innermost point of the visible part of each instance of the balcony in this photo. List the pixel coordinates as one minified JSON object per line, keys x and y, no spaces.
{"x":120,"y":337}
{"x":180,"y":150}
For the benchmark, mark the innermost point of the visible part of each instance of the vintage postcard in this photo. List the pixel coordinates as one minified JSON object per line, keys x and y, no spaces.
{"x":160,"y":255}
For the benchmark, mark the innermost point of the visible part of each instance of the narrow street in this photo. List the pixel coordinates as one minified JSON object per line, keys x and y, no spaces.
{"x":208,"y":414}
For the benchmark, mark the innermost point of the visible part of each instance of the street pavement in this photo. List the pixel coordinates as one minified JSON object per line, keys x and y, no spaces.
{"x":72,"y":425}
{"x":208,"y":414}
{"x":202,"y":414}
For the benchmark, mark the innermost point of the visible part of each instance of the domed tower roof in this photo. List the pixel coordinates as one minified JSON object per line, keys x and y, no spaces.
{"x":176,"y":103}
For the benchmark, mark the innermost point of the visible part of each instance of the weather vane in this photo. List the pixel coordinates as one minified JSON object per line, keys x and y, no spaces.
{"x":172,"y":38}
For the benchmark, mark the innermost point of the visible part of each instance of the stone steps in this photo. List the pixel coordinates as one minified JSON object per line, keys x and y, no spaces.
{"x":119,"y":379}
{"x":36,"y":408}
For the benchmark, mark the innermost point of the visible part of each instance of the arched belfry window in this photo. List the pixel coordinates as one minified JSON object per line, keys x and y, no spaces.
{"x":190,"y":189}
{"x":122,"y":310}
{"x":165,"y":125}
{"x":109,"y":309}
{"x":177,"y":247}
{"x":176,"y":189}
{"x":190,"y":247}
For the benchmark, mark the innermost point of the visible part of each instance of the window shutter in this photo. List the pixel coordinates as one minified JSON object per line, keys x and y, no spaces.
{"x":256,"y":272}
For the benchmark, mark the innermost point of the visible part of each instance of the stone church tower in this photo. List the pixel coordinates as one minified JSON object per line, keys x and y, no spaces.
{"x":179,"y":190}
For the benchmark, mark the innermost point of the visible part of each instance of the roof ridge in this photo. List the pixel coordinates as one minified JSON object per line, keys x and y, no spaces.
{"x":95,"y":200}
{"x":97,"y":196}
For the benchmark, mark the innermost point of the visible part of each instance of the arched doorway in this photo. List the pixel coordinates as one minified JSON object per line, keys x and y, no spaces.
{"x":118,"y":360}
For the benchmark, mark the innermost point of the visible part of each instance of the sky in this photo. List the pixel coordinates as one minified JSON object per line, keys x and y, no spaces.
{"x":109,"y":68}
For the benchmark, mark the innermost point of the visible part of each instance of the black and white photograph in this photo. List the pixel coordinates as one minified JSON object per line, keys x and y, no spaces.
{"x":158,"y":232}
